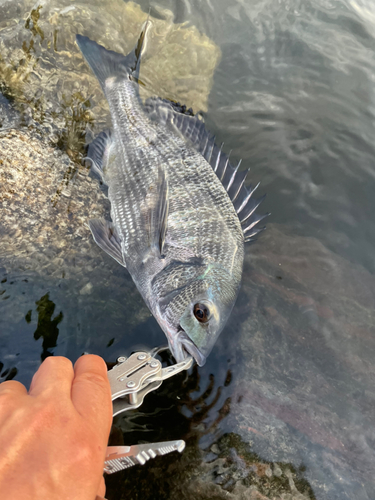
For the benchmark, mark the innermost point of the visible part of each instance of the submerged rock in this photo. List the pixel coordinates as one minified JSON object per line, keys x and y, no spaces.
{"x":234,"y":471}
{"x":42,"y":69}
{"x":8,"y":116}
{"x":304,"y":390}
{"x":299,"y":405}
{"x":46,"y":246}
{"x":46,"y":201}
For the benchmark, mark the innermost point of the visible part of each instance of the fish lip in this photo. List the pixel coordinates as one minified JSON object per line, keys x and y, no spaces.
{"x":184,"y":346}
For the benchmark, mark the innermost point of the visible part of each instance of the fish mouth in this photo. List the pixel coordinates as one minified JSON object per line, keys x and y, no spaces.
{"x":183,"y":347}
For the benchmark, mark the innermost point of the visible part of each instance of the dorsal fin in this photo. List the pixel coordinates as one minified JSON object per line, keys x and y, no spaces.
{"x":191,"y":127}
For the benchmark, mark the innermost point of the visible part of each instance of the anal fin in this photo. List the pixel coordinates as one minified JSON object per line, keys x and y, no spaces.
{"x":106,"y":236}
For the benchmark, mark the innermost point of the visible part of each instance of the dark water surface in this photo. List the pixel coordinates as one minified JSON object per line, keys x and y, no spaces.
{"x":285,"y":406}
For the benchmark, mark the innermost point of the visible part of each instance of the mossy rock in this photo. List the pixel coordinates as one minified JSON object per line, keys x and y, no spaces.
{"x":44,"y":73}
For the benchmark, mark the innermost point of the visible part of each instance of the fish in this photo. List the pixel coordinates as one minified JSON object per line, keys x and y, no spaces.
{"x":180,"y":211}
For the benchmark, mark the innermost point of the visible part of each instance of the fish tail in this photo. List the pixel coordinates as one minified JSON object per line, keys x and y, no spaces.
{"x":107,"y":63}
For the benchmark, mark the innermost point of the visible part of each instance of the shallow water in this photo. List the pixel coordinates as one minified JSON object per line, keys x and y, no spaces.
{"x":285,"y":404}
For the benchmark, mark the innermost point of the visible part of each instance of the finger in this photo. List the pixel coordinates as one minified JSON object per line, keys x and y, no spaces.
{"x":12,"y":394}
{"x":101,"y":490}
{"x":55,"y":376}
{"x":91,"y":393}
{"x":12,"y":387}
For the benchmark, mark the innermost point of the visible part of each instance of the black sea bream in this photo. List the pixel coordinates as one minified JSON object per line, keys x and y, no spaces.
{"x":180,"y":212}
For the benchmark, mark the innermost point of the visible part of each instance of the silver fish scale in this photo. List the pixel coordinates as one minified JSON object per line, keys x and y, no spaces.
{"x":204,"y":242}
{"x":174,"y":225}
{"x":201,"y":215}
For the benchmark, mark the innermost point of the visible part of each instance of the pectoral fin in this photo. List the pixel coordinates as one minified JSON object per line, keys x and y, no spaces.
{"x":107,"y":237}
{"x":98,"y":152}
{"x":158,"y":206}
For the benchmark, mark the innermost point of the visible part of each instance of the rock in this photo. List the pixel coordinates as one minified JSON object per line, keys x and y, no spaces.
{"x":299,"y":407}
{"x":220,"y":465}
{"x":44,"y":72}
{"x":87,"y":289}
{"x":276,"y":470}
{"x":305,"y":386}
{"x":8,"y":117}
{"x":268,"y":472}
{"x":42,"y":228}
{"x":46,"y":245}
{"x":215,"y":449}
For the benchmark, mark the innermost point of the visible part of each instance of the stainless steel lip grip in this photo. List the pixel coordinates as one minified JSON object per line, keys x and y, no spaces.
{"x":123,"y":457}
{"x":134,"y":377}
{"x":131,"y":379}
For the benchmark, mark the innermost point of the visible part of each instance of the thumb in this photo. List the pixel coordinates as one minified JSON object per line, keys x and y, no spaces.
{"x":91,"y":393}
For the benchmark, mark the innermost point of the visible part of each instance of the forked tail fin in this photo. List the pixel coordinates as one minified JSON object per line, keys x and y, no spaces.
{"x":107,"y":63}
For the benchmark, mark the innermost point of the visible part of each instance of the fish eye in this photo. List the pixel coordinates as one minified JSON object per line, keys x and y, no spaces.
{"x":201,"y":312}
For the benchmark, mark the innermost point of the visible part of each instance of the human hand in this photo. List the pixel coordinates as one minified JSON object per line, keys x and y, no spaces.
{"x":53,"y":438}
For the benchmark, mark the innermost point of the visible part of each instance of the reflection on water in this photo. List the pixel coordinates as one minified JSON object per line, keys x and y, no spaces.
{"x":285,"y":406}
{"x":8,"y":373}
{"x":47,"y":327}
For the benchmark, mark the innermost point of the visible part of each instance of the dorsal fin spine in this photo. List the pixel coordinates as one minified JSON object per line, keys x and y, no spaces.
{"x":247,"y":198}
{"x":255,"y":221}
{"x":233,"y":175}
{"x":205,"y":146}
{"x":250,"y":236}
{"x":212,"y":148}
{"x":218,"y":157}
{"x":225,"y":167}
{"x":256,"y":205}
{"x":240,"y":186}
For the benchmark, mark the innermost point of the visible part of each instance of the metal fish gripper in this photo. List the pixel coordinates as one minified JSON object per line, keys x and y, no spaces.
{"x":131,"y":379}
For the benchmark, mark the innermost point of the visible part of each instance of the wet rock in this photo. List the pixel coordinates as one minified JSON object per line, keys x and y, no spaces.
{"x":220,"y":466}
{"x":299,"y":409}
{"x":46,"y":244}
{"x":42,"y":69}
{"x":268,"y":472}
{"x":8,"y":116}
{"x":306,"y":354}
{"x":215,"y":449}
{"x":276,"y":470}
{"x":210,"y":457}
{"x":47,"y":201}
